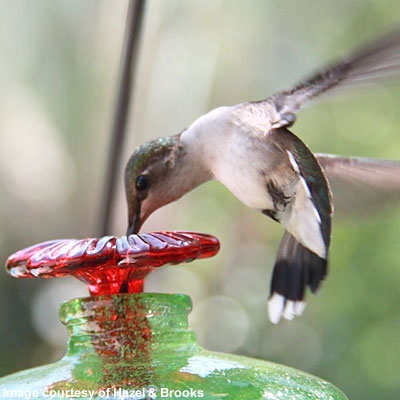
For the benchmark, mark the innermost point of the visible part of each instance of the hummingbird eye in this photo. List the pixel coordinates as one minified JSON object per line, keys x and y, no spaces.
{"x":142,"y":183}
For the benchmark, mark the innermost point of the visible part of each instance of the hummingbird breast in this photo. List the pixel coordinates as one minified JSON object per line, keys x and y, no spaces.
{"x":224,"y":142}
{"x":249,"y":166}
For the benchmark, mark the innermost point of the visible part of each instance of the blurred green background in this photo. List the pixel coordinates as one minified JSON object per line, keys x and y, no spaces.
{"x":58,"y":71}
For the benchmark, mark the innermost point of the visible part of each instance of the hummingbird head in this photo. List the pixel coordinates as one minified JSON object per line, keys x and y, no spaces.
{"x":146,"y":179}
{"x":157,"y":173}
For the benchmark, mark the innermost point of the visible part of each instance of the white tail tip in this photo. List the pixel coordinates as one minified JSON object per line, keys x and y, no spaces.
{"x":279,"y":307}
{"x":275,"y":307}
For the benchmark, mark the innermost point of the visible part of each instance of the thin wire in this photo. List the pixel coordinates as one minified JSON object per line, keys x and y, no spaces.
{"x":128,"y":64}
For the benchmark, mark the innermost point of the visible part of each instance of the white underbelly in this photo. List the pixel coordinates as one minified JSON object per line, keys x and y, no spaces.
{"x":232,"y":155}
{"x":244,"y":182}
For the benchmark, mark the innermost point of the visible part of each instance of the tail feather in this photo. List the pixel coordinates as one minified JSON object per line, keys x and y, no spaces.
{"x":296,"y":268}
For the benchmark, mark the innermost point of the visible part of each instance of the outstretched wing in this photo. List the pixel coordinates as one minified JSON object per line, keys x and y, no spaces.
{"x":300,"y":261}
{"x":375,"y":60}
{"x":360,"y":185}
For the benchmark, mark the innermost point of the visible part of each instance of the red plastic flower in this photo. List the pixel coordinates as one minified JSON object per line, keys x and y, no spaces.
{"x":111,"y":265}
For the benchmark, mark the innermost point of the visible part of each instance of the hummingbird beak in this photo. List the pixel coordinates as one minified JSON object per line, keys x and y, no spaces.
{"x":135,"y":221}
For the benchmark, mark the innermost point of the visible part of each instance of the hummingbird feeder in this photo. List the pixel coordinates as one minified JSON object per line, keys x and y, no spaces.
{"x":110,"y":265}
{"x":126,"y":344}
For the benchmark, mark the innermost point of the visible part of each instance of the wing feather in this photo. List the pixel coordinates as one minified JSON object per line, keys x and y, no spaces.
{"x":375,"y":60}
{"x":361,"y":184}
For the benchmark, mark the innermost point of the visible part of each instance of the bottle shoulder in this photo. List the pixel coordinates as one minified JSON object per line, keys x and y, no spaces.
{"x":206,"y":374}
{"x":35,"y":379}
{"x":239,"y":377}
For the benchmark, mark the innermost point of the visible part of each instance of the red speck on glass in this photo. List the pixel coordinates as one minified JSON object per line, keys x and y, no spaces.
{"x":111,"y":265}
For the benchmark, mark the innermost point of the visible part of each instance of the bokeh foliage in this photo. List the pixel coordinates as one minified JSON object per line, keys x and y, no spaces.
{"x":59,"y":62}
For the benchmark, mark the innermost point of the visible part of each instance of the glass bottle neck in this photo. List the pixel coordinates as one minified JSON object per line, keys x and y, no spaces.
{"x":129,"y":327}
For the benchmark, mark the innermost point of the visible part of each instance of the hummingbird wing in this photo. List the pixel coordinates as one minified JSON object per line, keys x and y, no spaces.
{"x":298,"y":264}
{"x":375,"y":60}
{"x":361,"y":184}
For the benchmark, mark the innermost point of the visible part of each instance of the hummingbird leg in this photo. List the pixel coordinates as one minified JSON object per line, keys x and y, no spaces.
{"x":279,"y":198}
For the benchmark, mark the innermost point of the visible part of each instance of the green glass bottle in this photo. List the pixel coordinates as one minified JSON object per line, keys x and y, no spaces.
{"x":138,"y":346}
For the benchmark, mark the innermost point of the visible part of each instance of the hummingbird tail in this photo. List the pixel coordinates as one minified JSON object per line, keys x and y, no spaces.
{"x":295,"y":268}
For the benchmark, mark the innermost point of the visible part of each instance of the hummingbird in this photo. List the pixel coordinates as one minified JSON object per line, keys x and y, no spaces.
{"x":249,"y":148}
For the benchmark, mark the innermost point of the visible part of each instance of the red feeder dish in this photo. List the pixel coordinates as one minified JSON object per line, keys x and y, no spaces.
{"x":111,"y":265}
